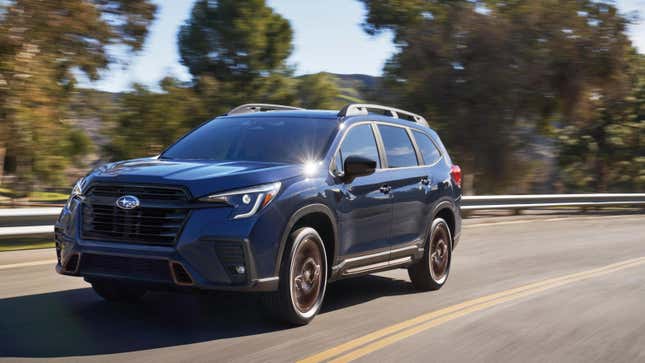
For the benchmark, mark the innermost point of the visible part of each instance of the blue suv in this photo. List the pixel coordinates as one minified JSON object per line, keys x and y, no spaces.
{"x":273,"y":199}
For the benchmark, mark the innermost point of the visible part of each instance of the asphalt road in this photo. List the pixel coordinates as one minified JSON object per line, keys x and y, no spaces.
{"x":528,"y":289}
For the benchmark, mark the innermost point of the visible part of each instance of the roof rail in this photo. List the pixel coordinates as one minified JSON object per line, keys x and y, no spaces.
{"x":355,"y":109}
{"x":259,"y":107}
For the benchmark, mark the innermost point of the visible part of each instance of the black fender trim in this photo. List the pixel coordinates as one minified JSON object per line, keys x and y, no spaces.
{"x":442,"y":204}
{"x":297,"y":215}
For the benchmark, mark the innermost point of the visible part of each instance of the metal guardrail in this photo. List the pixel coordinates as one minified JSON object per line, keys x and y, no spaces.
{"x":536,"y":201}
{"x":33,"y":222}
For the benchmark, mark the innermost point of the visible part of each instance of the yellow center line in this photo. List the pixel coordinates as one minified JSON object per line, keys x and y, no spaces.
{"x":26,"y":264}
{"x":387,"y":336}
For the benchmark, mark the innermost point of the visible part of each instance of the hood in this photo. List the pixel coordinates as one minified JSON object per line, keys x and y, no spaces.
{"x":200,"y":177}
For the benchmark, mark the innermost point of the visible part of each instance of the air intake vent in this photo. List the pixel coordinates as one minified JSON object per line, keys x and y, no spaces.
{"x":71,"y":265}
{"x":232,"y":257}
{"x":130,"y":267}
{"x":181,"y":276}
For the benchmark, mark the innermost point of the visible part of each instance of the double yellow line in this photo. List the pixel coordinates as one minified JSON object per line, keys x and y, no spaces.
{"x":379,"y":339}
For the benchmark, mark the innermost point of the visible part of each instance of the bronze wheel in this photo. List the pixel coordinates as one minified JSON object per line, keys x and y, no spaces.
{"x":306,"y":275}
{"x":303,"y":278}
{"x":431,"y":272}
{"x":439,"y":253}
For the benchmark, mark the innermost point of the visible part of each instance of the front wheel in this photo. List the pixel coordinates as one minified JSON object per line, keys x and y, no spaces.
{"x":432,"y":271}
{"x":303,"y":279}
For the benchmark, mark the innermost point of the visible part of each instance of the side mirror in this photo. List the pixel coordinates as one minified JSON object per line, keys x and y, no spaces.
{"x":356,"y":166}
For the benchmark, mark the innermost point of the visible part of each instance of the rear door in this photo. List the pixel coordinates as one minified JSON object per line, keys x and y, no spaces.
{"x":407,"y":179}
{"x":433,"y":168}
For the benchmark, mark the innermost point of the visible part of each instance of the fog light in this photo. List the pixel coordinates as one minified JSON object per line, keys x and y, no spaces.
{"x":240,"y":270}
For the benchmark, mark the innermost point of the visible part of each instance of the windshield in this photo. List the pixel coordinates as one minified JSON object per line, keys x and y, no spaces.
{"x":264,"y":139}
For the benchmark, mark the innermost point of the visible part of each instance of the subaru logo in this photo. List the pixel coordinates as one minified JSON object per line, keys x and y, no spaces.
{"x":127,"y":202}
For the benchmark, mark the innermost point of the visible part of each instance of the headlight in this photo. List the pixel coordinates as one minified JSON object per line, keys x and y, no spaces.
{"x":77,"y":192}
{"x":248,"y":201}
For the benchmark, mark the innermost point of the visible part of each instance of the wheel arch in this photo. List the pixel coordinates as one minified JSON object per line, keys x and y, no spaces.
{"x":446,"y":210}
{"x":322,"y":219}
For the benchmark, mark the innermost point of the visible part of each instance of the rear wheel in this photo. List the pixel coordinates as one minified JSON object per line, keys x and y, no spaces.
{"x":303,"y":279}
{"x":432,"y":271}
{"x":118,"y":291}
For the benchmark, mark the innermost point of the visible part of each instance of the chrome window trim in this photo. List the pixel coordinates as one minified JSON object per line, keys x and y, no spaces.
{"x":384,"y":167}
{"x":412,"y":142}
{"x":342,"y":139}
{"x":441,"y":154}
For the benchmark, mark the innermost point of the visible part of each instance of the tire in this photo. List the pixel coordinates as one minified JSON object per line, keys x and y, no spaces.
{"x":117,"y":291}
{"x":432,"y":271}
{"x":303,"y":280}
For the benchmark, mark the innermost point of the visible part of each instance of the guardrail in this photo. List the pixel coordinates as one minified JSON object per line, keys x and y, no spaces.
{"x":33,"y":222}
{"x":536,"y":201}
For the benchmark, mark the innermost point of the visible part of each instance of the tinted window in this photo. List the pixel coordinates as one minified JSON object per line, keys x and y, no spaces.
{"x":427,"y":148}
{"x":359,"y":141}
{"x":279,"y":140}
{"x":398,"y":147}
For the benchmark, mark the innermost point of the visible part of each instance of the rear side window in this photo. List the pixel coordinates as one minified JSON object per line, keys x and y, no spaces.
{"x":359,"y":141}
{"x":398,"y":147}
{"x":428,"y":149}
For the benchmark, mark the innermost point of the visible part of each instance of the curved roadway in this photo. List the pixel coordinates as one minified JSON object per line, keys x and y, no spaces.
{"x":526,"y":288}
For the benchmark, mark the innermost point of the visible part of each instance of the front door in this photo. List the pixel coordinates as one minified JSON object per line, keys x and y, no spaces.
{"x":365,"y":204}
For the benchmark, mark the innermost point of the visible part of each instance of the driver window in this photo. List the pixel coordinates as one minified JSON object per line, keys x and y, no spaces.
{"x":359,"y":141}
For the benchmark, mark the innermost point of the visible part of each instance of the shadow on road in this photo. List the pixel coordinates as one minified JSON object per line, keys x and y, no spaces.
{"x":77,"y":322}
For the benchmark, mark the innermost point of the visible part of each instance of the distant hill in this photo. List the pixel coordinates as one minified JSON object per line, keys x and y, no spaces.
{"x":354,"y":88}
{"x":90,"y":107}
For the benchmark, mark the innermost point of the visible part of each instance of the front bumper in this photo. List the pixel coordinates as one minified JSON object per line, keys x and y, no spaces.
{"x":213,"y":252}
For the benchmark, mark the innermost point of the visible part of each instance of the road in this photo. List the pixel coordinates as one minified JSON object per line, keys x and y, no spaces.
{"x":526,"y":288}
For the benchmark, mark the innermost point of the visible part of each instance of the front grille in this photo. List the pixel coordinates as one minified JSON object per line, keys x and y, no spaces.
{"x":131,"y":267}
{"x":157,"y":222}
{"x":141,"y":192}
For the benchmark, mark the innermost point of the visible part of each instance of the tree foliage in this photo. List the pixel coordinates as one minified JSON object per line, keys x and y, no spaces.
{"x":148,"y":121}
{"x":486,"y":70}
{"x":43,"y":45}
{"x":318,"y":91}
{"x":234,"y":40}
{"x":608,"y":153}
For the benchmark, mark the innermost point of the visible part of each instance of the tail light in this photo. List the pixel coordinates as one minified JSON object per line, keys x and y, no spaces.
{"x":455,"y":172}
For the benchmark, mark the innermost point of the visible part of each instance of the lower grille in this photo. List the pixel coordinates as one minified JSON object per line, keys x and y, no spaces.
{"x":131,"y":267}
{"x":231,"y":256}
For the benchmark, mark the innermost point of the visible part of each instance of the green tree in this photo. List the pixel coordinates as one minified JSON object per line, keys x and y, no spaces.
{"x":154,"y":120}
{"x":234,"y":40}
{"x":43,"y":43}
{"x":608,"y":154}
{"x":318,"y":91}
{"x":486,"y":71}
{"x":238,"y":49}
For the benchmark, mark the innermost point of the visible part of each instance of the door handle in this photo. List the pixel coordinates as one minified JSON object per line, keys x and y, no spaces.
{"x":385,"y":189}
{"x":425,"y":180}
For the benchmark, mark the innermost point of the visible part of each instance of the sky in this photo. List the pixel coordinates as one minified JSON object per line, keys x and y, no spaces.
{"x":327,"y":37}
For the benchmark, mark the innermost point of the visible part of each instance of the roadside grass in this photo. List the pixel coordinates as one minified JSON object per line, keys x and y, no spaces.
{"x":47,"y":197}
{"x":36,"y":196}
{"x":24,"y":244}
